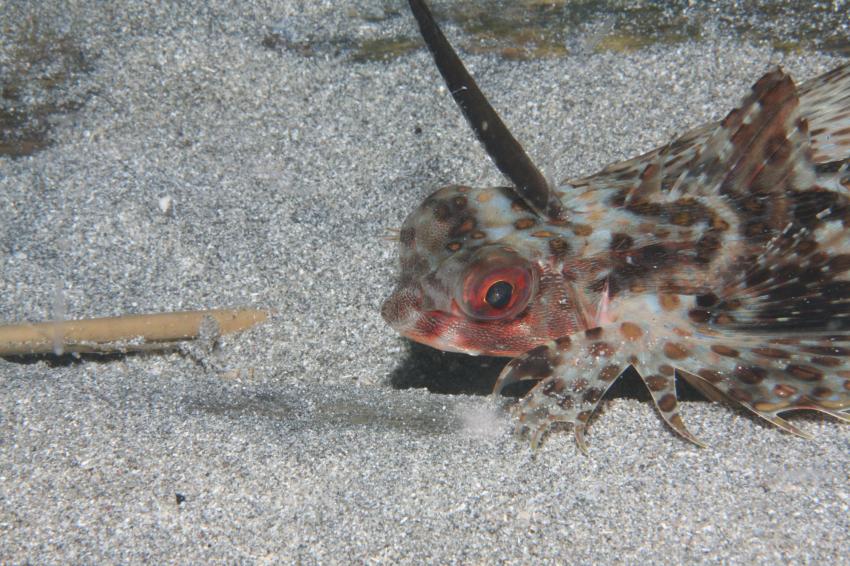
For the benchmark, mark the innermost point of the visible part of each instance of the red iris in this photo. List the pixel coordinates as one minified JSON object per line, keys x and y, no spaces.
{"x":493,"y":292}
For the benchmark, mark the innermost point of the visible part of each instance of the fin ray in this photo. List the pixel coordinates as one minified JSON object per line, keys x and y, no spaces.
{"x":506,"y":152}
{"x":824,"y":105}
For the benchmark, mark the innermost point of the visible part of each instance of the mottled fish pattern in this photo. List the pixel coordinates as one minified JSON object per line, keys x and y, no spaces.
{"x":721,"y":258}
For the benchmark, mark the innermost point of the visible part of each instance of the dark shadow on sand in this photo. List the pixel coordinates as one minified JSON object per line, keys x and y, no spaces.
{"x":449,"y":373}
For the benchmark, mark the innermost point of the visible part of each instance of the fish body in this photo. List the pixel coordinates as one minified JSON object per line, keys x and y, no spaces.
{"x":722,"y":258}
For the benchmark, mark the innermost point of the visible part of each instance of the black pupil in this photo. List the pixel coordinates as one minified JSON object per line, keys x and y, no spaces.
{"x":499,"y":294}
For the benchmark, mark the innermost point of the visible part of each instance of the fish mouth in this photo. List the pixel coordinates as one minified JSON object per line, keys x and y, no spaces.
{"x":402,"y":311}
{"x":399,"y":311}
{"x":441,"y":330}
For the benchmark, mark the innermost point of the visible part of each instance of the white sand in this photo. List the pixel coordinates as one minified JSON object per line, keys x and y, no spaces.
{"x":284,"y":172}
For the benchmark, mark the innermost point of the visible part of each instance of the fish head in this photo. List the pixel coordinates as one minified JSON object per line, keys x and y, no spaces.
{"x":479,"y":276}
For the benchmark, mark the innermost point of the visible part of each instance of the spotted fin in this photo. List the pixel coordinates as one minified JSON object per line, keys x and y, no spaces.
{"x":667,"y":336}
{"x":823,"y":104}
{"x":574,"y":374}
{"x":773,"y":331}
{"x":767,"y":371}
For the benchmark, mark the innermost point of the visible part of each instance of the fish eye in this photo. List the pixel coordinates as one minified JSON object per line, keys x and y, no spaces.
{"x":499,"y":294}
{"x":496,"y":284}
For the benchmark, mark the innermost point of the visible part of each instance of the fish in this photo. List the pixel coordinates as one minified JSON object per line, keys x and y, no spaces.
{"x":721,"y":258}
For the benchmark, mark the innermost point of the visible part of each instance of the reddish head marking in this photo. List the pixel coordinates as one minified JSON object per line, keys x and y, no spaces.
{"x":471,"y":282}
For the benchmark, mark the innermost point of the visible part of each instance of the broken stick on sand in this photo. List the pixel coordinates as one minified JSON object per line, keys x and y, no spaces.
{"x":123,"y":333}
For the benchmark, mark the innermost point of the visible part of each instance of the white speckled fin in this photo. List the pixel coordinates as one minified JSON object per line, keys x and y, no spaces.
{"x":824,"y":105}
{"x":717,"y":395}
{"x":668,"y":336}
{"x":576,"y":372}
{"x":770,"y":377}
{"x":766,"y":367}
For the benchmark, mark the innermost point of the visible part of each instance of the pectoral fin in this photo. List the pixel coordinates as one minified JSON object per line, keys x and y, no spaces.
{"x":576,"y":372}
{"x":769,"y":374}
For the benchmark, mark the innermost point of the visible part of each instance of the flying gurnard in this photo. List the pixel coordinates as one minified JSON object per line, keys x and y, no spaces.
{"x":721,"y":258}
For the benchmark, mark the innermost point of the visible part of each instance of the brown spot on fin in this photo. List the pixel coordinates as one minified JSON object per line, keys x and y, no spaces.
{"x":765,"y":370}
{"x":791,"y":274}
{"x":758,"y":157}
{"x":575,"y":374}
{"x":825,"y":103}
{"x":822,"y":104}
